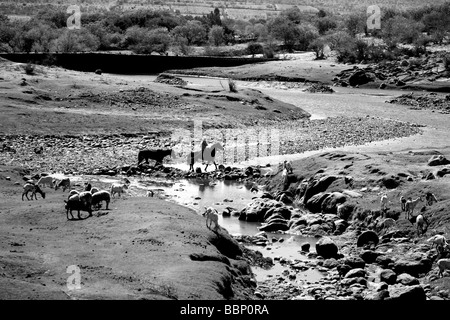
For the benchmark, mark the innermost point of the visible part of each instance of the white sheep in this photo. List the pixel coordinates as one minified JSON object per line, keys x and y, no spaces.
{"x":443,"y":264}
{"x":438,"y":240}
{"x":79,"y":202}
{"x":420,"y":221}
{"x":150,"y":193}
{"x":117,"y":188}
{"x":73,"y":192}
{"x":94,"y":190}
{"x":100,"y":196}
{"x":86,"y":198}
{"x":63,"y":183}
{"x":34,"y":189}
{"x":410,"y":205}
{"x":45,"y":181}
{"x":384,"y":202}
{"x":212,"y":217}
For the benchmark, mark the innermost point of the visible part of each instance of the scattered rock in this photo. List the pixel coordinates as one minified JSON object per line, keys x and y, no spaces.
{"x":326,"y":248}
{"x":388,"y":276}
{"x":408,"y":293}
{"x":367,"y":237}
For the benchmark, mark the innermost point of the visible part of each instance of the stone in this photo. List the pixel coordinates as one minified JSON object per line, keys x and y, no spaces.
{"x":330,"y":263}
{"x":390,"y":181}
{"x":314,"y":204}
{"x":358,"y":272}
{"x":355,"y":262}
{"x":330,"y":203}
{"x":414,"y":265}
{"x":359,"y":77}
{"x":354,"y":280}
{"x":384,"y":261}
{"x":388,"y":276}
{"x":438,"y":160}
{"x":346,"y":210}
{"x":326,"y":248}
{"x":430,"y":176}
{"x":367,"y":237}
{"x":443,"y":172}
{"x":407,"y":279}
{"x":379,"y":295}
{"x":369,"y":256}
{"x":407,"y":293}
{"x":305,"y":247}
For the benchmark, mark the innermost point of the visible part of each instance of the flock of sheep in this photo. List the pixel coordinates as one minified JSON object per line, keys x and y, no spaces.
{"x":408,"y":206}
{"x":86,"y":200}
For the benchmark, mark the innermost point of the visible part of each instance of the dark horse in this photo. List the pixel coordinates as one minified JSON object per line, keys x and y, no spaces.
{"x":208,"y":154}
{"x":158,"y":155}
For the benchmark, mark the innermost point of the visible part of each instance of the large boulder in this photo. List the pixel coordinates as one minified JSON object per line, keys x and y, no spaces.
{"x":360,"y":77}
{"x":407,"y":293}
{"x":414,"y":264}
{"x":274,"y":226}
{"x":346,"y":210}
{"x":367,"y":237}
{"x":390,"y":181}
{"x":314,"y":204}
{"x":356,"y":273}
{"x":282,"y":211}
{"x":257,"y":209}
{"x":330,"y":203}
{"x":443,"y":172}
{"x":355,"y":262}
{"x":369,"y":256}
{"x":326,"y":248}
{"x":318,"y":185}
{"x":407,"y":279}
{"x":438,"y":160}
{"x":388,"y":276}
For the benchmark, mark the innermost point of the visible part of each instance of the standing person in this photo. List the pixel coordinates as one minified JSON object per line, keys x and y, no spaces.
{"x":284,"y":175}
{"x":288,"y":166}
{"x":204,"y":145}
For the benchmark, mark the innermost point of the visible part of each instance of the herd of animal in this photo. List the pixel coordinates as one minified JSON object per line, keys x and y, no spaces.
{"x":86,"y":200}
{"x":92,"y":197}
{"x":408,"y":205}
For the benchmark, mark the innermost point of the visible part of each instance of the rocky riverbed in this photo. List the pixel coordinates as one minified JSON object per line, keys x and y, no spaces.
{"x":113,"y":153}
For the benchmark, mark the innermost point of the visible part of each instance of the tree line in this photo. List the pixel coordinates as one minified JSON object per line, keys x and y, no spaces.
{"x":147,"y":31}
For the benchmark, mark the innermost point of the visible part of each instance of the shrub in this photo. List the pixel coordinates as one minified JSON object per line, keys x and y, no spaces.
{"x":29,"y":68}
{"x":254,"y":48}
{"x":317,"y":46}
{"x":232,"y":85}
{"x":268,"y":53}
{"x":446,"y":60}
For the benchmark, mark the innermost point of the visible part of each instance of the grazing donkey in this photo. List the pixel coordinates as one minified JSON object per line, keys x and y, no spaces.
{"x":158,"y":155}
{"x":34,"y":189}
